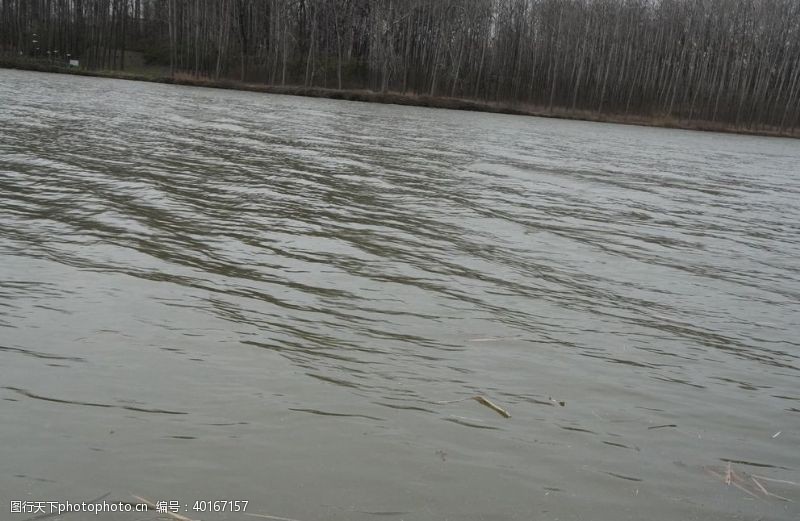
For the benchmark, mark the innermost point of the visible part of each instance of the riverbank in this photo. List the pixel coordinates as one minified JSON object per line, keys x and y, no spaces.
{"x":405,"y":99}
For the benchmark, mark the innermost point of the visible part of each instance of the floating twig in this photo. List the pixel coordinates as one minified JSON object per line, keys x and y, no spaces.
{"x":448,"y":402}
{"x":488,"y":403}
{"x":728,"y":480}
{"x":744,"y":489}
{"x":482,"y":400}
{"x":732,"y":478}
{"x":760,"y":486}
{"x":494,"y":338}
{"x":767,"y":492}
{"x":785,"y":482}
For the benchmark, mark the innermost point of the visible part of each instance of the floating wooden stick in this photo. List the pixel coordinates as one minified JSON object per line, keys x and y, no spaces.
{"x":732,"y":478}
{"x":729,"y":478}
{"x":496,"y":408}
{"x":767,"y":492}
{"x":785,"y":482}
{"x":760,"y":486}
{"x":743,"y":489}
{"x":482,"y":400}
{"x":448,"y":402}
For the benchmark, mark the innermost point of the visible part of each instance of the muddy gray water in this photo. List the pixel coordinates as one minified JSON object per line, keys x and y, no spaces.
{"x":217,"y":295}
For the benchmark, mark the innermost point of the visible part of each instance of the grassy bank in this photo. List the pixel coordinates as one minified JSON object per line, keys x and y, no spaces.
{"x":404,"y":99}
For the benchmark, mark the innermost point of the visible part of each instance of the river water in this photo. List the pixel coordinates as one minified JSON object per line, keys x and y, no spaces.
{"x":220,"y":295}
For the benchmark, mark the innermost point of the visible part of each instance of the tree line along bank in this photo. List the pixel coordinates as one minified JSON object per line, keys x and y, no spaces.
{"x":735,"y":62}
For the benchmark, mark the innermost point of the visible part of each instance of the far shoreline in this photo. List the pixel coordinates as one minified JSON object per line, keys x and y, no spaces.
{"x":396,"y":98}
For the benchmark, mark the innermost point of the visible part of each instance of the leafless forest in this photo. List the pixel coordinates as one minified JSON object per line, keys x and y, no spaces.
{"x":729,"y":61}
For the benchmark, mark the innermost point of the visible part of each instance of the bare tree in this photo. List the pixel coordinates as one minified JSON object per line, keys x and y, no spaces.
{"x":730,"y":61}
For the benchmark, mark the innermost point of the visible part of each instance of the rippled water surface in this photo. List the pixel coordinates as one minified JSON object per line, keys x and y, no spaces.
{"x":225,"y":295}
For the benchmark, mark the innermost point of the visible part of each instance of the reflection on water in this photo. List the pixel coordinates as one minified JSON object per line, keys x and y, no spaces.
{"x":221,"y":295}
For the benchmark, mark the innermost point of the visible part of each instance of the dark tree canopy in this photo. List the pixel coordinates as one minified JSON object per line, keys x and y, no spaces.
{"x":730,"y":61}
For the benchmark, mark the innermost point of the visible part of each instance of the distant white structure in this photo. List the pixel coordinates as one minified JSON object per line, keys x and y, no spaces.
{"x":74,"y":63}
